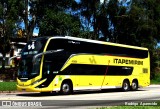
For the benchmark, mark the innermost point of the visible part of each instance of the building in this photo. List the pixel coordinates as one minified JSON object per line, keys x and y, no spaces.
{"x":15,"y":50}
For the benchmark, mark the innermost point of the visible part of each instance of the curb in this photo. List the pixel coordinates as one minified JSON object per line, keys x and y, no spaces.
{"x":9,"y":91}
{"x":154,"y":85}
{"x":13,"y":92}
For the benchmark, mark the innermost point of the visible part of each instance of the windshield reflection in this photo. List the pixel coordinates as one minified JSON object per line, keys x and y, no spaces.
{"x":27,"y":69}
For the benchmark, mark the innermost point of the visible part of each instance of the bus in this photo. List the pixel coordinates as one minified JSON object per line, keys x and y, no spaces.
{"x":67,"y":64}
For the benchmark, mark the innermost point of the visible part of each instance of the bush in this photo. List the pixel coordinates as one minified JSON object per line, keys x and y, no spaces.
{"x":8,"y":74}
{"x":156,"y":79}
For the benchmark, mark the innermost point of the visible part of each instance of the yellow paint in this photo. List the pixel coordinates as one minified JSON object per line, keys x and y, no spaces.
{"x":89,"y":81}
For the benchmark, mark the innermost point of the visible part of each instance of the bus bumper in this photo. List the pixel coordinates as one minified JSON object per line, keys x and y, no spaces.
{"x":33,"y":89}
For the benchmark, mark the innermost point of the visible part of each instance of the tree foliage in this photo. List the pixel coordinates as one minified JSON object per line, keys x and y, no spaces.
{"x":53,"y":17}
{"x":9,"y":15}
{"x":138,"y":25}
{"x":68,"y":25}
{"x":134,"y":22}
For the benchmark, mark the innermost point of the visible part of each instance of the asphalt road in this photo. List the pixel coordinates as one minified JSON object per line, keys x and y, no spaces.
{"x":80,"y":100}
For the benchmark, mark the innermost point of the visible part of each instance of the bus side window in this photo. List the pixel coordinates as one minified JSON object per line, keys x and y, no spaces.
{"x":46,"y":69}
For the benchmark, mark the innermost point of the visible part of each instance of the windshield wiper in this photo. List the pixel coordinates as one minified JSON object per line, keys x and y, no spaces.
{"x":12,"y":58}
{"x":44,"y":53}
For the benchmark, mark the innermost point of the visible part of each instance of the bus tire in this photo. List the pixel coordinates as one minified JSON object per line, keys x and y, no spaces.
{"x":66,"y":88}
{"x":134,"y":85}
{"x":125,"y":85}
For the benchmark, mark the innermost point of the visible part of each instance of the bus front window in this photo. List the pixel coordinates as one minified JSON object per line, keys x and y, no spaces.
{"x":27,"y":69}
{"x":36,"y":67}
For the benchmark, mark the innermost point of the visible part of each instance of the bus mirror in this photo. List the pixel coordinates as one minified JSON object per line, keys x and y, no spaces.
{"x":44,"y":53}
{"x":20,"y":52}
{"x":12,"y":58}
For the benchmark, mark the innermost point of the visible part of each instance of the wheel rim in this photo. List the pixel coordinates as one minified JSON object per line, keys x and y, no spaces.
{"x":134,"y":85}
{"x":65,"y":88}
{"x":126,"y":86}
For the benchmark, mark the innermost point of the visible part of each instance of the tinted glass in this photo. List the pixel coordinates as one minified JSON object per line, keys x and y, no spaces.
{"x":34,"y":47}
{"x":84,"y":69}
{"x":74,"y":46}
{"x":27,"y":69}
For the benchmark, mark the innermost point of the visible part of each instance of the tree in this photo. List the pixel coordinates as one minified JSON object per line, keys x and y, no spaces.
{"x":53,"y":17}
{"x":9,"y":13}
{"x":88,"y":11}
{"x":58,"y":23}
{"x":137,"y":26}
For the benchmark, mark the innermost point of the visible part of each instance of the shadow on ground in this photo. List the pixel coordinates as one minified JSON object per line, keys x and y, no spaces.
{"x":74,"y":93}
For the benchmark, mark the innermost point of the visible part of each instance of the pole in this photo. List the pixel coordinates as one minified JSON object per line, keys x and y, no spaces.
{"x":4,"y":35}
{"x":26,"y":19}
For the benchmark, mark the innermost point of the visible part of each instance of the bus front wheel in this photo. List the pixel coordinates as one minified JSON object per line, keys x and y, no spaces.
{"x":66,"y":88}
{"x":125,"y":85}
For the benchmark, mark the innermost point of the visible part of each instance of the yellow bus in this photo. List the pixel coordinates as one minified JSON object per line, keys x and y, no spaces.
{"x":66,"y":64}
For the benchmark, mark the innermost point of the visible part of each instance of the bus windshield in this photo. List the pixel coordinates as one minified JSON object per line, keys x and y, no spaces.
{"x":28,"y":69}
{"x":33,"y":47}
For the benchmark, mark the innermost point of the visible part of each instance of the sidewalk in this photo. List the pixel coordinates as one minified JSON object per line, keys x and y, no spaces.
{"x":13,"y":92}
{"x":154,"y":85}
{"x":5,"y":93}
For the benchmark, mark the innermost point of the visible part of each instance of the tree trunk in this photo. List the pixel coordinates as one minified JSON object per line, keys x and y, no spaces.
{"x":31,"y":27}
{"x":26,"y":20}
{"x":3,"y":60}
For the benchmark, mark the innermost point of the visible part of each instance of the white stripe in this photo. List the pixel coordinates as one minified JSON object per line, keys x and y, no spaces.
{"x":96,"y":87}
{"x":56,"y":89}
{"x":109,"y":87}
{"x":85,"y":88}
{"x":154,"y":86}
{"x":90,"y":88}
{"x":67,"y":77}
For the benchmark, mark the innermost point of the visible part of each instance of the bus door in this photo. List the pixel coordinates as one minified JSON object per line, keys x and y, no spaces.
{"x":90,"y":77}
{"x":79,"y":78}
{"x":113,"y":76}
{"x":73,"y":71}
{"x":82,"y":75}
{"x":105,"y":81}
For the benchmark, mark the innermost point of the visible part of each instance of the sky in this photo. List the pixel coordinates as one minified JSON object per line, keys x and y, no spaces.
{"x":35,"y":31}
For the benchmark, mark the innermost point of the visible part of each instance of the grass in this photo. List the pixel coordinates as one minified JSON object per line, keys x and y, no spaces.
{"x":8,"y":86}
{"x":133,"y":107}
{"x":156,"y":79}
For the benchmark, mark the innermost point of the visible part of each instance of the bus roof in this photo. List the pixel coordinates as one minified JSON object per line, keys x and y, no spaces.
{"x":98,"y":42}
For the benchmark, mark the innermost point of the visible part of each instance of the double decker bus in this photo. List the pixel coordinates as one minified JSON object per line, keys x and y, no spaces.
{"x":65,"y":64}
